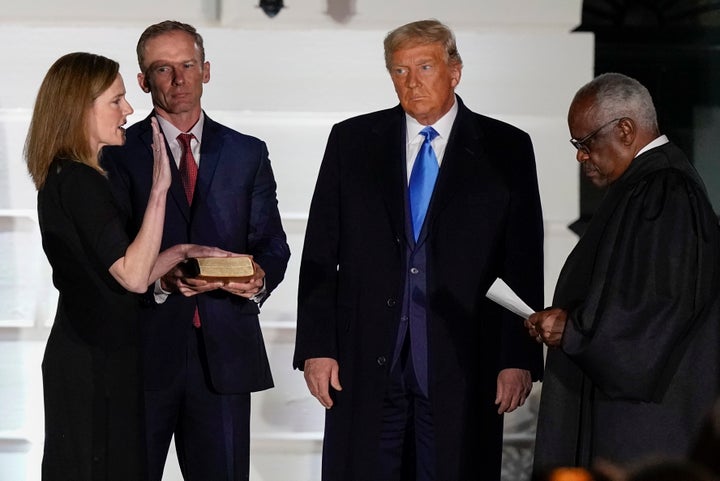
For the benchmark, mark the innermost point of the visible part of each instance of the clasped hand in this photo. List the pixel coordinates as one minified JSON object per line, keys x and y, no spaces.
{"x":177,"y":280}
{"x":547,"y":326}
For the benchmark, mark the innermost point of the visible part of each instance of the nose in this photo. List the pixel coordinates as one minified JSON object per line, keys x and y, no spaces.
{"x":128,"y":108}
{"x":581,"y":155}
{"x":412,"y":79}
{"x":178,"y":78}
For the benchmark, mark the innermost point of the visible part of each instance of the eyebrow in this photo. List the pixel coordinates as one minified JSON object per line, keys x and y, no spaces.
{"x":161,"y":62}
{"x":421,"y":61}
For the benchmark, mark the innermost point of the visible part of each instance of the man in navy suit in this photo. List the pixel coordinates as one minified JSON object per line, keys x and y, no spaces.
{"x":203,"y":347}
{"x":395,"y":336}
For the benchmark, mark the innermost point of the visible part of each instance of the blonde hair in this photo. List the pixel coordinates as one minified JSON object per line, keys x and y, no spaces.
{"x":422,"y":32}
{"x":59,"y":120}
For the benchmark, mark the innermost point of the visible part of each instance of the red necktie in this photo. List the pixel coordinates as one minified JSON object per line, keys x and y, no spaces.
{"x":188,"y":173}
{"x":188,"y":167}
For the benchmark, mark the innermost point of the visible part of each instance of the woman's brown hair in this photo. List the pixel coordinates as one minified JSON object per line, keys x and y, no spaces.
{"x":58,"y":126}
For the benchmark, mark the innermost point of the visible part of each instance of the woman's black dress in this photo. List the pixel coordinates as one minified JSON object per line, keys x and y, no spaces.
{"x":91,"y":369}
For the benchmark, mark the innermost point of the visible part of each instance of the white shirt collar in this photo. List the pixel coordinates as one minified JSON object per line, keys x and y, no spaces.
{"x":171,"y":132}
{"x":662,"y":140}
{"x":443,"y":126}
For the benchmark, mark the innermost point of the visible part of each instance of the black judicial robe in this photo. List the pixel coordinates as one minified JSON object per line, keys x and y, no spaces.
{"x":639,"y":363}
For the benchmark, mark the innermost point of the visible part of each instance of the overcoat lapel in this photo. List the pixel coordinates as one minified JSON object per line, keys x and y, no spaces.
{"x":387,"y":157}
{"x":460,"y":161}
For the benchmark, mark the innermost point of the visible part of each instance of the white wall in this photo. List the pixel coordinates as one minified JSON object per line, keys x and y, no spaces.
{"x":286,"y":80}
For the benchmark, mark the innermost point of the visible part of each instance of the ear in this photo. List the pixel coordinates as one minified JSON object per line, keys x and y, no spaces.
{"x":455,"y":73}
{"x":206,"y":72}
{"x":628,"y":130}
{"x":142,"y":81}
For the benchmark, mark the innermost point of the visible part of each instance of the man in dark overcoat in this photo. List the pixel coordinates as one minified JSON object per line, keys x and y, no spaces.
{"x":395,"y":335}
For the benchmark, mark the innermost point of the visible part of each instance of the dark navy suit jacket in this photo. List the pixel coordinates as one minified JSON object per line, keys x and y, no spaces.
{"x":234,"y":208}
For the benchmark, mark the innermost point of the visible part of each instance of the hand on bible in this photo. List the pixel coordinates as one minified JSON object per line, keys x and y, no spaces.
{"x":250,"y":288}
{"x":177,"y":280}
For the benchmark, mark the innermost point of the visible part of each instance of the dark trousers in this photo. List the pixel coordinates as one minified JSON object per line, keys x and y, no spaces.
{"x":407,"y":437}
{"x":212,"y":430}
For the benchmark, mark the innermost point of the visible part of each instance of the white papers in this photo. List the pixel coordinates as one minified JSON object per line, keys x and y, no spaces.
{"x":501,"y":293}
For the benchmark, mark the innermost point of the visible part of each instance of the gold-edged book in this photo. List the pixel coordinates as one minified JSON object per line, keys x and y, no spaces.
{"x":226,"y":269}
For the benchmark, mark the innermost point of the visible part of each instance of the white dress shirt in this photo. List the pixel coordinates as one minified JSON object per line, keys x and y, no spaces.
{"x":443,"y":127}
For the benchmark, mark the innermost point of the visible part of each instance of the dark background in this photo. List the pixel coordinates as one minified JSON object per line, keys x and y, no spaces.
{"x":673,"y":48}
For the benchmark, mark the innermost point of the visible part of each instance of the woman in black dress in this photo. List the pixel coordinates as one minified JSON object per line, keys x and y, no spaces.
{"x":91,"y":369}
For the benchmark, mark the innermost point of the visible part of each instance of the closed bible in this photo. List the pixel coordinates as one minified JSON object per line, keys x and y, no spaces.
{"x":226,"y":269}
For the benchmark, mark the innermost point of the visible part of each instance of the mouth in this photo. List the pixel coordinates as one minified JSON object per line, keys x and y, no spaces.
{"x":590,"y":170}
{"x":594,"y":175}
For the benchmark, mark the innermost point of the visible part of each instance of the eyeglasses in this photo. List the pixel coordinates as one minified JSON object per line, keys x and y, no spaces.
{"x":581,"y":144}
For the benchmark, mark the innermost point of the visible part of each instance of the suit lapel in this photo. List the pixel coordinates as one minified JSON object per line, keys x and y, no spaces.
{"x":177,"y":191}
{"x":210,"y":149}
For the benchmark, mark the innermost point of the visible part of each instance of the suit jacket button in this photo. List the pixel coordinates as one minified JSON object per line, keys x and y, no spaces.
{"x":391,"y":302}
{"x":381,"y":360}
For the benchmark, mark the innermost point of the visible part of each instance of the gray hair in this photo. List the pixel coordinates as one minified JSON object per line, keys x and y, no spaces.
{"x":616,"y":95}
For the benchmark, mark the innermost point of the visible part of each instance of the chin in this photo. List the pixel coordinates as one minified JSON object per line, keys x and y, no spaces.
{"x":115,"y":142}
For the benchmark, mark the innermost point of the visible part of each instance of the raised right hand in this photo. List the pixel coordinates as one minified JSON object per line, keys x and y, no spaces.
{"x":161,"y":161}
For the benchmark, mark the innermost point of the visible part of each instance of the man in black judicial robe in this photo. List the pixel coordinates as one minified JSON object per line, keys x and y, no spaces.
{"x":634,"y":331}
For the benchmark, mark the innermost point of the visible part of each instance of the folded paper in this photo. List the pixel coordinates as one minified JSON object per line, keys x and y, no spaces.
{"x":501,"y":293}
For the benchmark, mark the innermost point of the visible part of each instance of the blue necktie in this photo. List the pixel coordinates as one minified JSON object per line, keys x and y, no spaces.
{"x":422,"y":180}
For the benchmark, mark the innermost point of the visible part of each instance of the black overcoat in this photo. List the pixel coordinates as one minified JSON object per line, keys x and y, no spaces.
{"x":484,"y":222}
